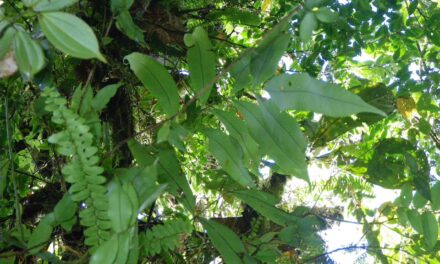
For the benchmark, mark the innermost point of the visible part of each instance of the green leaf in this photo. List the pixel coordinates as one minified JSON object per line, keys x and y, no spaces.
{"x":121,"y":208}
{"x":302,"y":92}
{"x":430,"y":229}
{"x":104,"y":95}
{"x":225,"y":241}
{"x":308,"y":24}
{"x":28,"y":54}
{"x":229,"y":156}
{"x":201,"y":63}
{"x":265,"y":59}
{"x":106,"y":252}
{"x":65,"y":209}
{"x":326,"y":15}
{"x":406,"y":195}
{"x":7,"y":38}
{"x":278,"y":135}
{"x":141,"y":153}
{"x":170,"y":169}
{"x":435,"y":194}
{"x":157,"y":80}
{"x":41,"y":235}
{"x":238,"y":130}
{"x":52,"y":5}
{"x":123,"y":247}
{"x":310,"y":4}
{"x":70,"y":34}
{"x":264,"y":203}
{"x":415,"y":219}
{"x":125,"y":24}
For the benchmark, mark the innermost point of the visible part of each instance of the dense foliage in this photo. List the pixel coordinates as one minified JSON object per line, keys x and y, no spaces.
{"x":198,"y":131}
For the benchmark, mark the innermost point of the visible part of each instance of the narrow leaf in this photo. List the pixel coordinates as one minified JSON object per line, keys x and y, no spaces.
{"x":104,"y":95}
{"x":70,"y":34}
{"x":278,"y":135}
{"x":264,"y":203}
{"x":430,"y":229}
{"x":121,"y":208}
{"x":125,"y":24}
{"x":157,"y":80}
{"x":225,"y":241}
{"x":308,"y":24}
{"x":201,"y":63}
{"x":28,"y":54}
{"x":302,"y":92}
{"x":229,"y":156}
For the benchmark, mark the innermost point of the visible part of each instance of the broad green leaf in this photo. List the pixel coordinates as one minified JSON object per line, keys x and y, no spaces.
{"x":430,"y":229}
{"x":123,"y":247}
{"x":125,"y":24}
{"x":310,"y":4}
{"x":308,"y":24}
{"x":141,"y":153}
{"x":201,"y":63}
{"x":65,"y":209}
{"x":121,"y":208}
{"x":435,"y":195}
{"x":41,"y":234}
{"x":419,"y":201}
{"x":261,"y":62}
{"x":100,"y":101}
{"x":106,"y":252}
{"x":134,"y":201}
{"x":157,"y":80}
{"x":238,"y":130}
{"x":415,"y":219}
{"x":7,"y":38}
{"x":264,"y":203}
{"x":279,"y":136}
{"x":326,"y":15}
{"x":406,"y":195}
{"x":264,"y":61}
{"x":302,"y":92}
{"x":70,"y":34}
{"x":225,"y":241}
{"x":52,"y":5}
{"x":170,"y":169}
{"x":229,"y":156}
{"x":28,"y":54}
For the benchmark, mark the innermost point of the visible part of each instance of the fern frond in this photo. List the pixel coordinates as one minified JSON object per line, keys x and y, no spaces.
{"x":166,"y":237}
{"x":83,"y":172}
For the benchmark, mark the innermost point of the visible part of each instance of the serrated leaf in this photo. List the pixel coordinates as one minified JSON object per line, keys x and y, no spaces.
{"x":302,"y":92}
{"x":121,"y":208}
{"x":225,"y":241}
{"x":28,"y":54}
{"x":157,"y":80}
{"x":125,"y":24}
{"x":104,"y":95}
{"x":201,"y":63}
{"x":264,"y":203}
{"x":229,"y":156}
{"x":70,"y":34}
{"x":106,"y":252}
{"x":430,"y":229}
{"x":52,"y":5}
{"x":278,"y":135}
{"x":308,"y":24}
{"x":326,"y":15}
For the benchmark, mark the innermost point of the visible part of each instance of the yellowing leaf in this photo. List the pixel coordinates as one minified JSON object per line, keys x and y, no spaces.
{"x":8,"y":66}
{"x":266,"y":5}
{"x":406,"y":107}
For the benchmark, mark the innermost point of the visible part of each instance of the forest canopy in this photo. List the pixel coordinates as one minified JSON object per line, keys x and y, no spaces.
{"x":206,"y":131}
